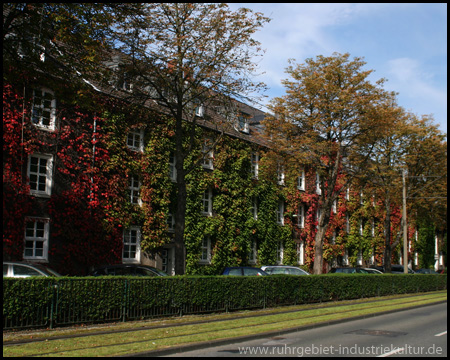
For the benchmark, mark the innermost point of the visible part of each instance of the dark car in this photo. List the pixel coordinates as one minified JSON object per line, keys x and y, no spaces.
{"x":244,"y":271}
{"x":426,"y":271}
{"x":348,"y":270}
{"x":127,"y":270}
{"x":18,"y":269}
{"x":395,"y":269}
{"x":284,"y":269}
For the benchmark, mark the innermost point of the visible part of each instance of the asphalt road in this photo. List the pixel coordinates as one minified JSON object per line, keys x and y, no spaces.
{"x":410,"y":333}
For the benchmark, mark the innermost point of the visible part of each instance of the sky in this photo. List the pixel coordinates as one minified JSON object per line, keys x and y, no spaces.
{"x":403,"y":43}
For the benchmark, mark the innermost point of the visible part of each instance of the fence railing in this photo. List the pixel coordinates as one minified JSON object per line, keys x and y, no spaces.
{"x":54,"y":302}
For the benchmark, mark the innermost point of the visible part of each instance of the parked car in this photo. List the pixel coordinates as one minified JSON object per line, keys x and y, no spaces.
{"x":395,"y":269}
{"x":127,"y":270}
{"x":283,"y":269}
{"x":244,"y":271}
{"x":426,"y":271}
{"x":348,"y":270}
{"x":372,"y":271}
{"x":18,"y":269}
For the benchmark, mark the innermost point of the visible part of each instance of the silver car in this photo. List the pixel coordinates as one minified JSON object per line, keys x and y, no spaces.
{"x":22,"y":270}
{"x":284,"y":269}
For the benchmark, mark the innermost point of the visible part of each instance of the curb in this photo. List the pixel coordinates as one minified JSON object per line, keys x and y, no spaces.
{"x":206,"y":344}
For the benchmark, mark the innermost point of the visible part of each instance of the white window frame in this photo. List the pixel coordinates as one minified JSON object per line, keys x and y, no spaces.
{"x":280,"y":174}
{"x":135,"y":191}
{"x":208,"y":155}
{"x":280,"y":253}
{"x":41,"y":176}
{"x":255,"y":164}
{"x":242,"y":122}
{"x":38,"y":110}
{"x":34,"y":235}
{"x":137,"y":140}
{"x":205,"y":253}
{"x":301,"y":180}
{"x":334,"y":206}
{"x":199,"y":111}
{"x":280,"y":213}
{"x":254,"y":208}
{"x":301,"y":216}
{"x":318,"y":189}
{"x":172,"y":167}
{"x":252,"y":255}
{"x":170,"y":222}
{"x":128,"y":243}
{"x":207,"y":202}
{"x":301,"y":253}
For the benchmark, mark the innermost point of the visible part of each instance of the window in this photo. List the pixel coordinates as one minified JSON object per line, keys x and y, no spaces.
{"x":36,"y":239}
{"x":170,"y":222}
{"x":280,"y":174}
{"x":252,"y":254}
{"x":208,"y":155}
{"x":254,"y":208}
{"x":301,"y":180}
{"x":134,"y":189}
{"x":280,"y":253}
{"x":124,"y":82}
{"x":199,"y":111}
{"x":131,"y":244}
{"x":280,"y":212}
{"x":301,"y":253}
{"x":301,"y":216}
{"x":255,"y":165}
{"x":40,"y":170}
{"x":334,"y":206}
{"x":242,"y":122}
{"x":43,"y":112}
{"x":172,"y":168}
{"x":206,"y":250}
{"x":347,"y":194}
{"x":318,"y":189}
{"x":135,"y":140}
{"x":207,"y":202}
{"x":361,"y":227}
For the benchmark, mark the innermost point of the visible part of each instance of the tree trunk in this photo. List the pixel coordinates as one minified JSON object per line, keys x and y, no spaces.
{"x":387,"y":239}
{"x":180,"y":249}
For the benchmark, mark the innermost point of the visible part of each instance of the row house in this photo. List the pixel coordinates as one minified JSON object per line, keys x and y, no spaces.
{"x":92,"y":183}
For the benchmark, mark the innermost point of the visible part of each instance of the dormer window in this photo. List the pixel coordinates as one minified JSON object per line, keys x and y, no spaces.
{"x":242,"y":123}
{"x":199,"y":111}
{"x":43,"y":113}
{"x":124,"y":82}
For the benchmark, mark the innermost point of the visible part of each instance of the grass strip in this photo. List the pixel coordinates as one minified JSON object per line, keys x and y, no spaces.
{"x":154,"y":339}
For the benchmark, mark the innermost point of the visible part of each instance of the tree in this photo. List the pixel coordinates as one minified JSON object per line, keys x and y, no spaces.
{"x":62,"y":39}
{"x":328,"y":119}
{"x":183,"y":56}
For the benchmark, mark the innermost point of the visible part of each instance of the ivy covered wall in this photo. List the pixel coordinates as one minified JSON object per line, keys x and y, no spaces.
{"x":90,"y":204}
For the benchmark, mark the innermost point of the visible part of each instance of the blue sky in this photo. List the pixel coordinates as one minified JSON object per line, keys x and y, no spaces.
{"x":404,"y":43}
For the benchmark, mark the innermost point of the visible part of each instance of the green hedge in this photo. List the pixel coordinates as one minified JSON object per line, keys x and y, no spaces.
{"x":50,"y":302}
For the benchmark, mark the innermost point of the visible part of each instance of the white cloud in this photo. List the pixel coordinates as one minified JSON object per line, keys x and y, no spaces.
{"x":407,"y":77}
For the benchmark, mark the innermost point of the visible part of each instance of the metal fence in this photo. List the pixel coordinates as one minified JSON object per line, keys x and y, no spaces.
{"x":54,"y":302}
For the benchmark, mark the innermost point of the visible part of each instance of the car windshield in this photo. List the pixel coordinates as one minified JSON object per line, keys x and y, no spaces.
{"x":53,"y":272}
